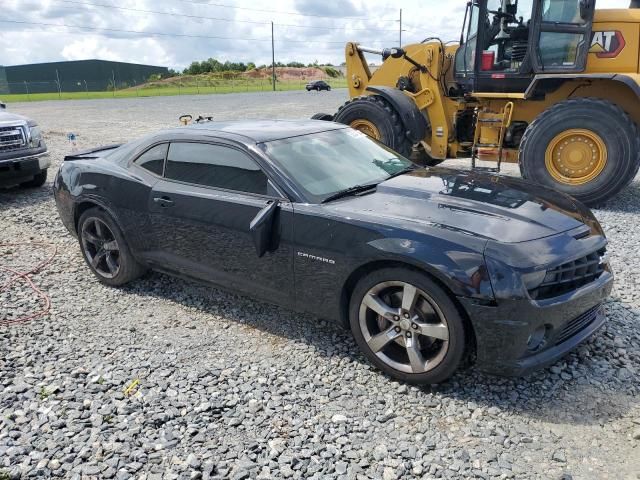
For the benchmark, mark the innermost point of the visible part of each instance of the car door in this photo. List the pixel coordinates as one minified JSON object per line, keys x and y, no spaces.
{"x":200,"y":214}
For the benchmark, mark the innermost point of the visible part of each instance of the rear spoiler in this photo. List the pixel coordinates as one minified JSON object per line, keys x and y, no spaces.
{"x":96,"y":152}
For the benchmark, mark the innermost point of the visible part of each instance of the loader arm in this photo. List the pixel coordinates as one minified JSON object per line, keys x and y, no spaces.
{"x":427,"y":97}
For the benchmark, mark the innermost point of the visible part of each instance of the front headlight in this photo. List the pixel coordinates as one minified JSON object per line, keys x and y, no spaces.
{"x":35,"y":136}
{"x":533,"y":280}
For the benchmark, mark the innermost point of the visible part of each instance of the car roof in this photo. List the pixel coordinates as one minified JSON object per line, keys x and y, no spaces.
{"x":258,"y":131}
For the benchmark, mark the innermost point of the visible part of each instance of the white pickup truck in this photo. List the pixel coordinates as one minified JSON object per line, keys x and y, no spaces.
{"x":23,"y":154}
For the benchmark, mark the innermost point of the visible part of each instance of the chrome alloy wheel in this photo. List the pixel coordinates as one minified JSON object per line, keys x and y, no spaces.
{"x":404,"y":327}
{"x":100,"y":247}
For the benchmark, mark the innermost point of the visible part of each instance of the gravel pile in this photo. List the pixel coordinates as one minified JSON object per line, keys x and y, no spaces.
{"x":169,"y":379}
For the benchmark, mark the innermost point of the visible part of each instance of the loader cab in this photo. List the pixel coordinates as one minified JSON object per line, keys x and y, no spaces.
{"x":504,"y":43}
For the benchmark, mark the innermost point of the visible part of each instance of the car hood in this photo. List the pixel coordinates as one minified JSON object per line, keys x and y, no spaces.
{"x":6,"y":117}
{"x":493,"y":207}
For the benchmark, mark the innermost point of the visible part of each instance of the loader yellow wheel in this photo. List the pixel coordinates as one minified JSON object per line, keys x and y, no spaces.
{"x":586,"y":147}
{"x":576,"y":156}
{"x":375,"y":117}
{"x":366,"y":127}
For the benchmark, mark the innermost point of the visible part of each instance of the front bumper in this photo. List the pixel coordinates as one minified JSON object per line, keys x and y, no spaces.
{"x":502,"y":330}
{"x":23,"y":168}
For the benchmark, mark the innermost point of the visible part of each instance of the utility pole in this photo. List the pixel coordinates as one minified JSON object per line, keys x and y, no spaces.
{"x":400,"y":45}
{"x":59,"y":86}
{"x":273,"y":61}
{"x":113,"y":81}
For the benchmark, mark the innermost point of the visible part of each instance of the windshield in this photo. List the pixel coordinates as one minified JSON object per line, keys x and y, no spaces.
{"x":328,"y":162}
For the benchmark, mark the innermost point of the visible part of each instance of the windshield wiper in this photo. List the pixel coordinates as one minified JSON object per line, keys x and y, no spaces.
{"x":350,"y":191}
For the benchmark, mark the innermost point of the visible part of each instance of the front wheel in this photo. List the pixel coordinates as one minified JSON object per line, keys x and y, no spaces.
{"x":407,"y":326}
{"x":585,"y":147}
{"x":375,"y":117}
{"x":105,"y":250}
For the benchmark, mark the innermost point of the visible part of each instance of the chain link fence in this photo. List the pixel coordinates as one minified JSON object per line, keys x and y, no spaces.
{"x":184,"y":85}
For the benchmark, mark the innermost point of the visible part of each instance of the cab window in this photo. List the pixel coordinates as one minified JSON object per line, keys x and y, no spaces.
{"x":560,"y":49}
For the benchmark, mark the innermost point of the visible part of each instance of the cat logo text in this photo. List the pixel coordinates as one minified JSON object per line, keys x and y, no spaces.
{"x":607,"y":44}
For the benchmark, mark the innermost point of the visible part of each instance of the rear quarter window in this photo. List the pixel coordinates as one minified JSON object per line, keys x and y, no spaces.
{"x":153,"y":159}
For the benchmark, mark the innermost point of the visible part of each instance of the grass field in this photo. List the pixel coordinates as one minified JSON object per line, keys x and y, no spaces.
{"x":188,"y":88}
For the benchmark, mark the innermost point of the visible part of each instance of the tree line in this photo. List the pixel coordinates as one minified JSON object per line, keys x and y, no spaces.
{"x":212,"y":65}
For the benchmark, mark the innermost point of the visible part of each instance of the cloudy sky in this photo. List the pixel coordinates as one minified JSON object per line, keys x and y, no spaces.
{"x":176,"y":32}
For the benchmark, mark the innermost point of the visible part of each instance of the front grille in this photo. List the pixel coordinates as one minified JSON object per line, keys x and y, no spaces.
{"x":577,"y":324}
{"x":11,"y":138}
{"x":570,"y":276}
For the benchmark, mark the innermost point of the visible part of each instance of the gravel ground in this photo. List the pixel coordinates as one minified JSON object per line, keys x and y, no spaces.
{"x":232,"y":388}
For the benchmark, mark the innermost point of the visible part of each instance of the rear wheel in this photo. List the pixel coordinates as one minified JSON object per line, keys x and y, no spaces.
{"x":105,"y":249}
{"x":407,"y":326}
{"x":586,"y":147}
{"x":38,"y":180}
{"x":375,"y":117}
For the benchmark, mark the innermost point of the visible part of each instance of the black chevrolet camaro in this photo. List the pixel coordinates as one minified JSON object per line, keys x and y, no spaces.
{"x":428,"y":266}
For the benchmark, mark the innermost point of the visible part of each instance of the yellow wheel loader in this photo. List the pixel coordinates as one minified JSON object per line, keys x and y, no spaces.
{"x":553,"y":85}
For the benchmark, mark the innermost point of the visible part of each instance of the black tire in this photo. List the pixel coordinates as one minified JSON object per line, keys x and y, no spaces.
{"x":322,"y":116}
{"x":617,"y":130}
{"x":447,"y":361}
{"x":129,"y":268}
{"x":38,"y":180}
{"x":378,"y":111}
{"x":421,"y":157}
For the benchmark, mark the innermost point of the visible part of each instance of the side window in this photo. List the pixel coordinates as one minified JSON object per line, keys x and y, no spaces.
{"x":563,"y":11}
{"x":466,"y":54}
{"x":153,"y":159}
{"x":214,"y":166}
{"x":565,"y":29}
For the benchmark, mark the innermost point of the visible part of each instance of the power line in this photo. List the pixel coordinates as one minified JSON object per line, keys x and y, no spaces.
{"x":164,"y":34}
{"x":200,"y":17}
{"x":206,"y":3}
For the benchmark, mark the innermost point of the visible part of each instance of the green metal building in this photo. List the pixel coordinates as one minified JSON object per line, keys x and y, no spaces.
{"x":74,"y":76}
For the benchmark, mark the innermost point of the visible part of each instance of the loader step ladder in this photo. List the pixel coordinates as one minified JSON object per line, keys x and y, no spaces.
{"x":492,"y":121}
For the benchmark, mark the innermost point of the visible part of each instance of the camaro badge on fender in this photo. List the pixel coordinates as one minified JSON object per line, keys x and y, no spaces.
{"x":319,"y":259}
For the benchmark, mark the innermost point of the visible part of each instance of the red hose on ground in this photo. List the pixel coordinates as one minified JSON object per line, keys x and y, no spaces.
{"x":16,"y":276}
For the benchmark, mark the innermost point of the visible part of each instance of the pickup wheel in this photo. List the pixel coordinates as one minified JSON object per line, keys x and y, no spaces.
{"x":105,"y":250}
{"x":38,"y":180}
{"x":407,"y":326}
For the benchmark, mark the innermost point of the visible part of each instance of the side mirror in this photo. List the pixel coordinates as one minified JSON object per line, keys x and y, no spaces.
{"x":3,"y":105}
{"x":261,"y":228}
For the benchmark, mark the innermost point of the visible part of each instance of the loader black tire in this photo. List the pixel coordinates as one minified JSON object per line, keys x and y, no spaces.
{"x":377,"y":111}
{"x":616,"y":130}
{"x":421,"y":157}
{"x":322,"y":116}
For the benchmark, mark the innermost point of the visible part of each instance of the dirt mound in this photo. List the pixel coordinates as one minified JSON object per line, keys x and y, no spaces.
{"x":287,"y":73}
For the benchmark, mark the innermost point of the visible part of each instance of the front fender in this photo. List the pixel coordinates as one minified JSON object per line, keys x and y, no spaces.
{"x":462,"y":270}
{"x":414,"y":122}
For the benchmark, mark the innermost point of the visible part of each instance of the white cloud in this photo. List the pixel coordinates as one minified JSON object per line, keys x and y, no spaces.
{"x":308,"y":41}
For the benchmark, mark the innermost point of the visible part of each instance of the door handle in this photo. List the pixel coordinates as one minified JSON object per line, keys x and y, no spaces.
{"x":163,"y":201}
